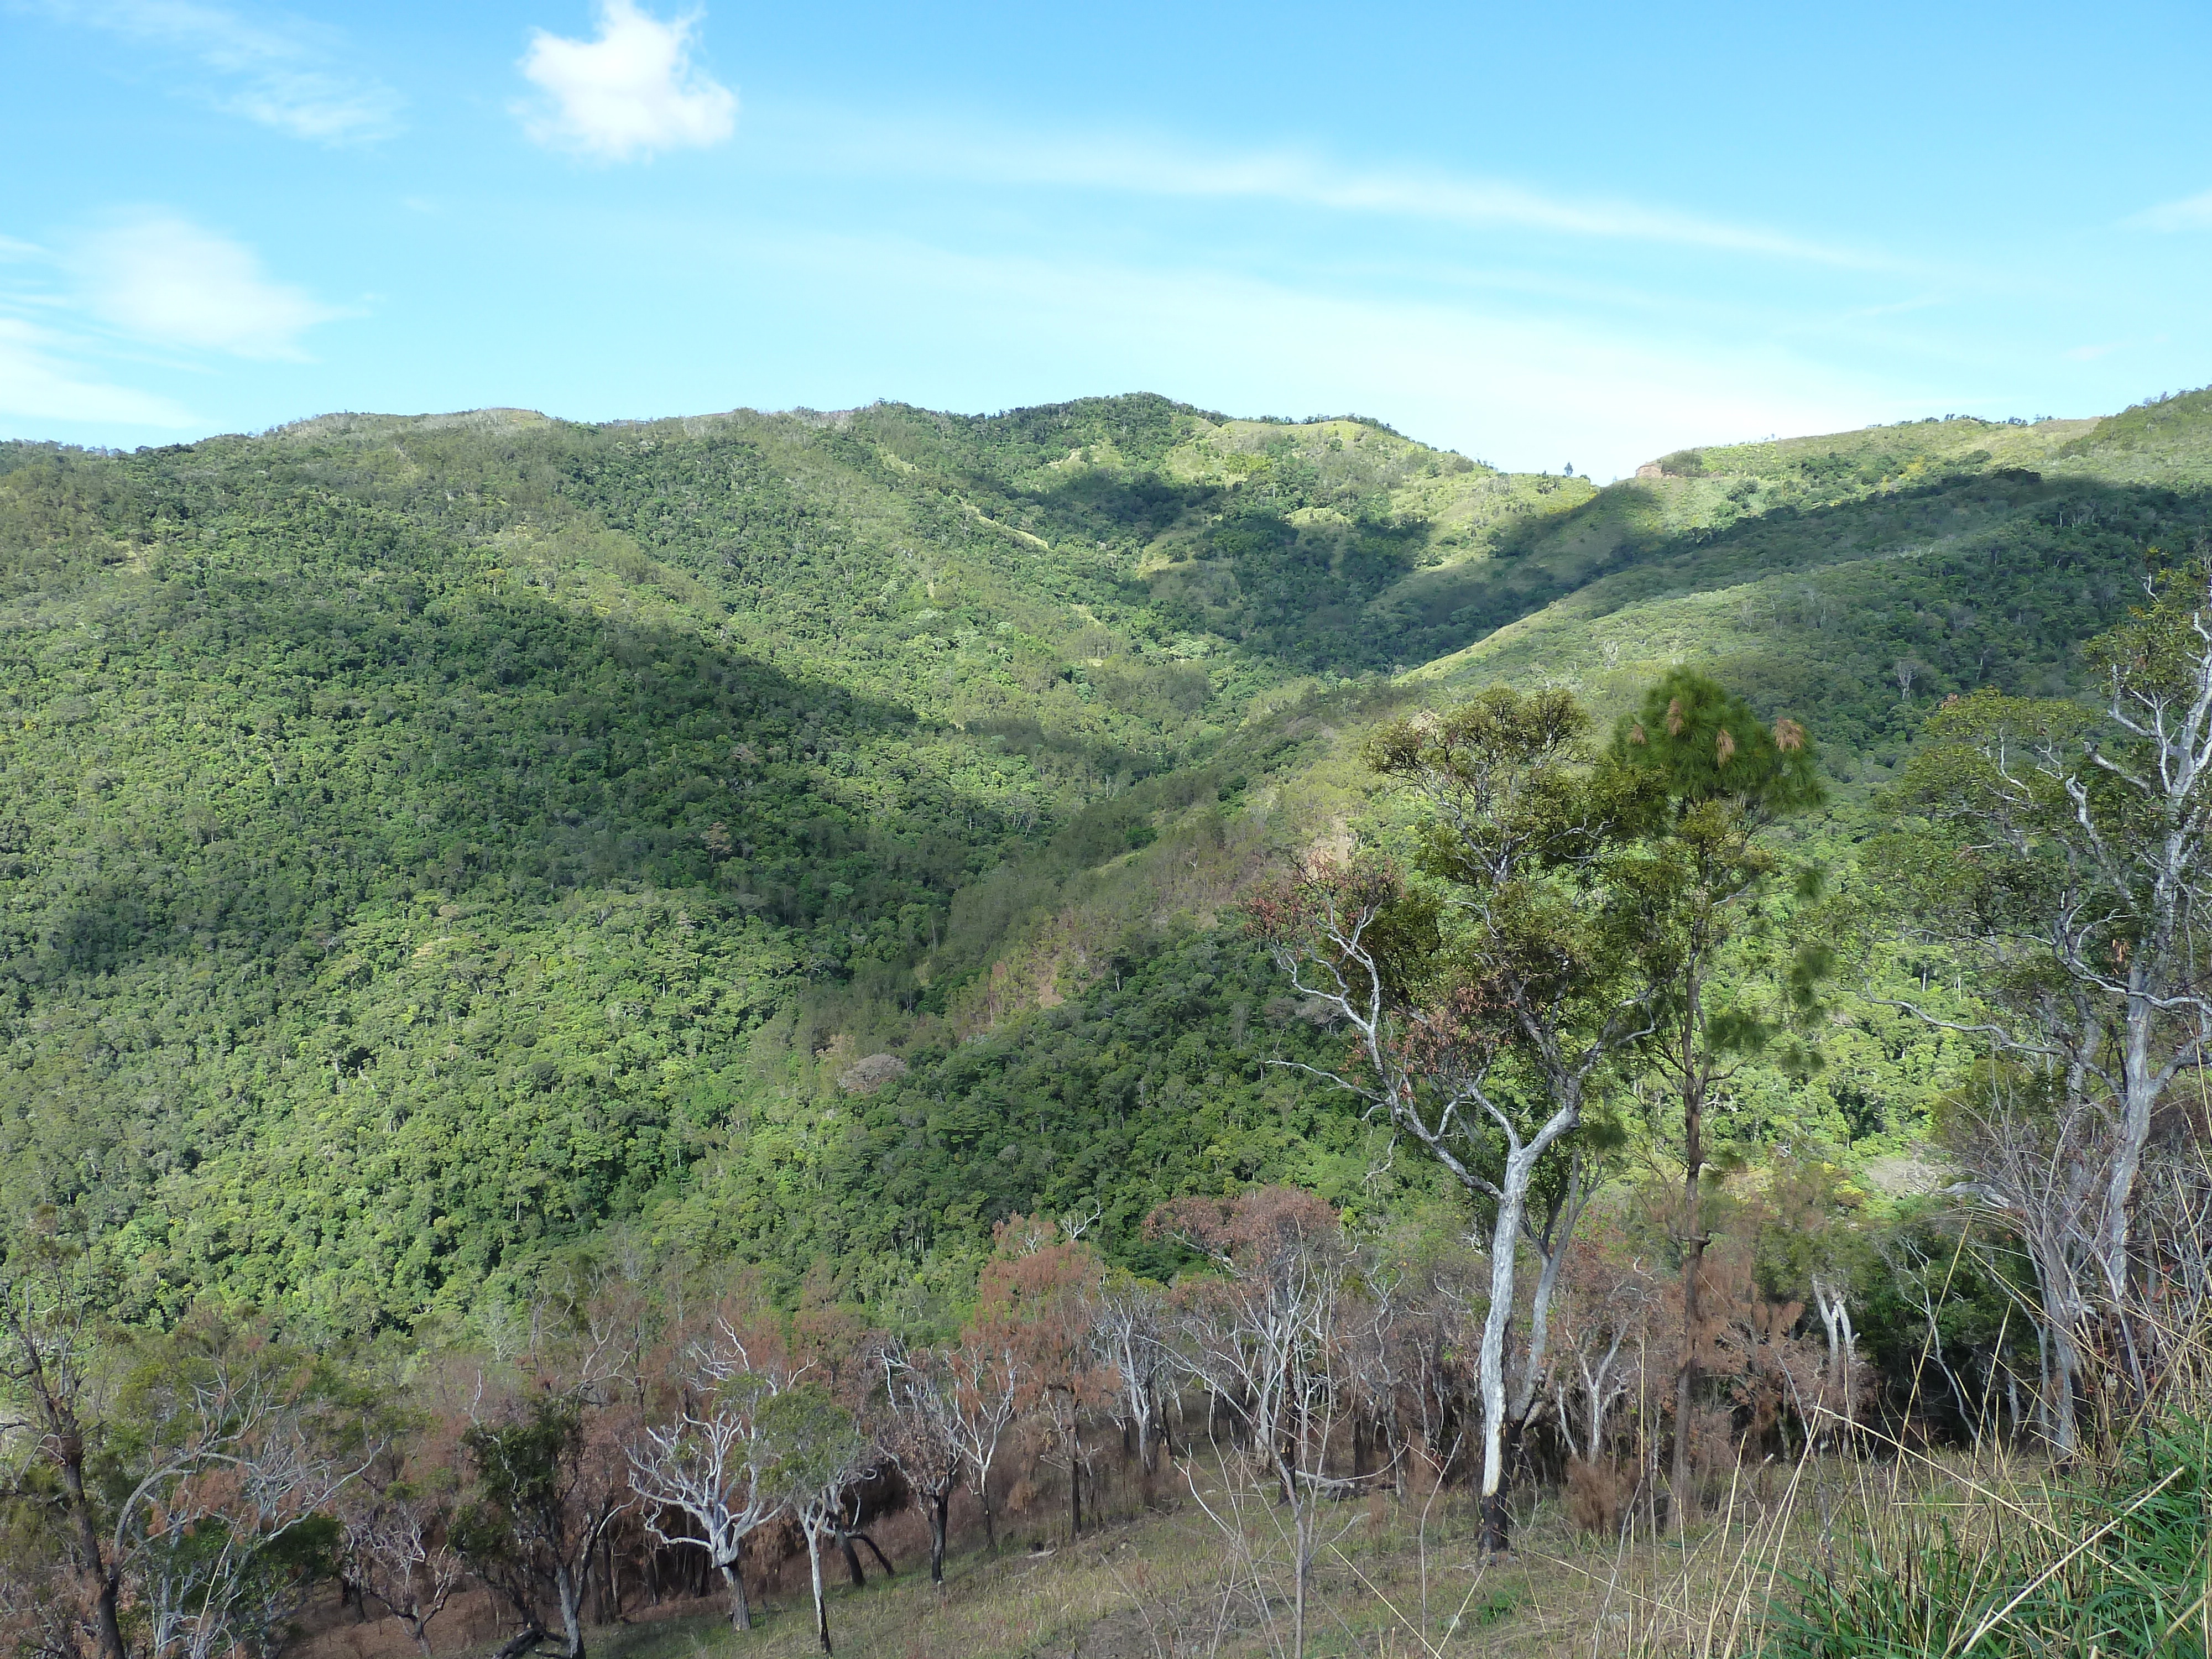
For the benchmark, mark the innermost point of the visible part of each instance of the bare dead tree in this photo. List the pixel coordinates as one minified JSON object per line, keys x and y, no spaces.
{"x":243,"y":1450}
{"x":1840,"y":1386}
{"x":1128,"y":1335}
{"x":1372,"y":1373}
{"x":925,"y":1435}
{"x":2173,"y":1233}
{"x":708,"y":1463}
{"x":985,"y":1384}
{"x":1266,"y":1339}
{"x":397,"y":1521}
{"x":1605,"y":1311}
{"x":2038,"y":1167}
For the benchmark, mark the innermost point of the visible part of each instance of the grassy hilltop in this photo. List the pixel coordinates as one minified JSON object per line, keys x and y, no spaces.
{"x":431,"y":843}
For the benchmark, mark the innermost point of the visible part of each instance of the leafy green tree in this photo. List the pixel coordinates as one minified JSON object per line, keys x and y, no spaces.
{"x":1720,"y":779}
{"x":818,"y":1455}
{"x":551,"y":1478}
{"x":1484,"y":1007}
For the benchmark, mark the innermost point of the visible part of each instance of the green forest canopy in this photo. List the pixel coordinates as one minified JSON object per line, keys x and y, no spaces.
{"x":428,"y":844}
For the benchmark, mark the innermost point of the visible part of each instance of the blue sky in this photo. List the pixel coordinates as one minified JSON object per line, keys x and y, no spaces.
{"x":1543,"y":236}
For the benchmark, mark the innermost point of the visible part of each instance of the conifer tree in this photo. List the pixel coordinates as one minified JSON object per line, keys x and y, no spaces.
{"x":1720,"y":779}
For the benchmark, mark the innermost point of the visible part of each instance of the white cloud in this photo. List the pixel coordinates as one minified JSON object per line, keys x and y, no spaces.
{"x":168,"y":281}
{"x":632,"y":91}
{"x":284,"y":75}
{"x":37,"y":382}
{"x":2193,"y":213}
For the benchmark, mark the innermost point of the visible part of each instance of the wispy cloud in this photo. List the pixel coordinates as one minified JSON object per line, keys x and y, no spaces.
{"x":151,"y":287}
{"x":2192,"y":213}
{"x":171,"y":283}
{"x":39,"y":380}
{"x":1521,"y":390}
{"x":1298,"y":180}
{"x":284,"y":74}
{"x":630,"y":90}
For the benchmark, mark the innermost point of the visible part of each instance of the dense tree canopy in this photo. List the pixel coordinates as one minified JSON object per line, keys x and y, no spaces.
{"x":428,"y":842}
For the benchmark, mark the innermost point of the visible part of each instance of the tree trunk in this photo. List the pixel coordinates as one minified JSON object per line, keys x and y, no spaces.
{"x":571,"y":1592}
{"x":2065,"y":1368}
{"x":1552,"y":1250}
{"x":821,"y":1606}
{"x":1685,"y":1386}
{"x":2143,"y":1084}
{"x":109,"y":1621}
{"x":939,"y":1504}
{"x":1074,"y":1475}
{"x":1826,"y":1309}
{"x":70,"y":1441}
{"x":990,"y":1522}
{"x":852,"y":1560}
{"x":1693,"y":1256}
{"x":1490,"y":1367}
{"x":1843,"y":1349}
{"x":741,"y":1616}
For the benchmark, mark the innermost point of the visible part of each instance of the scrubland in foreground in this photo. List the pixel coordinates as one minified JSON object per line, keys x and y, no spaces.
{"x":1896,"y":1552}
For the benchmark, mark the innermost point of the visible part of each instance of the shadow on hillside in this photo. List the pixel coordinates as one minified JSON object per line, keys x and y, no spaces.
{"x":318,"y":743}
{"x":1591,"y":551}
{"x":1860,"y":627}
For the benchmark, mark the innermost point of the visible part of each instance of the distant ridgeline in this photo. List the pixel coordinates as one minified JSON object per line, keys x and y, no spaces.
{"x":428,"y":846}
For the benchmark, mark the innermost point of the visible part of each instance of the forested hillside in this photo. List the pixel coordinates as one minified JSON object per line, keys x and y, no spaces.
{"x":430,"y":844}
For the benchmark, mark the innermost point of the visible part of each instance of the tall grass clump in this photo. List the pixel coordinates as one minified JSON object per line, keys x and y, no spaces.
{"x":2116,"y":1563}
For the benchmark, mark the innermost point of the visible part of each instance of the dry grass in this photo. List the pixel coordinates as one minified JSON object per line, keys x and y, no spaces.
{"x":1982,"y":1555}
{"x":1388,"y":1581}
